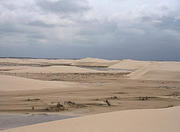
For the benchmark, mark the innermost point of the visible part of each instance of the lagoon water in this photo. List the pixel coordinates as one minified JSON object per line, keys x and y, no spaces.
{"x":16,"y":120}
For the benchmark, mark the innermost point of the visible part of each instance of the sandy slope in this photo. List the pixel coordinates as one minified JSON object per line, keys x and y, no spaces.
{"x":130,"y":64}
{"x":11,"y":83}
{"x":150,"y":70}
{"x":158,"y":71}
{"x":160,"y":120}
{"x":95,"y":62}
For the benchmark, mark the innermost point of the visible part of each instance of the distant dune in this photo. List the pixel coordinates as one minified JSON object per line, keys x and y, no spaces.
{"x":151,"y":70}
{"x":130,"y":64}
{"x":94,"y":62}
{"x":159,"y":120}
{"x":144,"y":70}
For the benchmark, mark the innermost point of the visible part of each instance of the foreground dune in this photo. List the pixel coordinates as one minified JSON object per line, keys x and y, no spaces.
{"x":159,"y":120}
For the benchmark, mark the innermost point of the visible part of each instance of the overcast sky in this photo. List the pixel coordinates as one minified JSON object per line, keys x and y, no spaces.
{"x":113,"y":29}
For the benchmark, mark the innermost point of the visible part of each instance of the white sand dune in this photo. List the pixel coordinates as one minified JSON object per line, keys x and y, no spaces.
{"x":151,"y":70}
{"x":156,"y":75}
{"x":130,"y":64}
{"x":95,"y":62}
{"x":12,"y":83}
{"x":158,"y":71}
{"x":159,"y":120}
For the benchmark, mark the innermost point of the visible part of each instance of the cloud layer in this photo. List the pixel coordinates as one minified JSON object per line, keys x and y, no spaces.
{"x":80,"y":28}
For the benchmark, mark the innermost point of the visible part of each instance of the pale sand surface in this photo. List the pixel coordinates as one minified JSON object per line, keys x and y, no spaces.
{"x":151,"y":70}
{"x":160,"y":120}
{"x":95,"y":62}
{"x":12,"y":83}
{"x":130,"y":64}
{"x":84,"y":86}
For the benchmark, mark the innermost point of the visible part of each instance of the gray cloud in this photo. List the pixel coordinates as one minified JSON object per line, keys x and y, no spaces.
{"x":64,"y":6}
{"x":9,"y":28}
{"x":40,"y":24}
{"x":80,"y":28}
{"x":169,"y":23}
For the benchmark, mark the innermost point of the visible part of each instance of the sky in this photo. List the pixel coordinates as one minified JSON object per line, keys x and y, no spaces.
{"x":111,"y":29}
